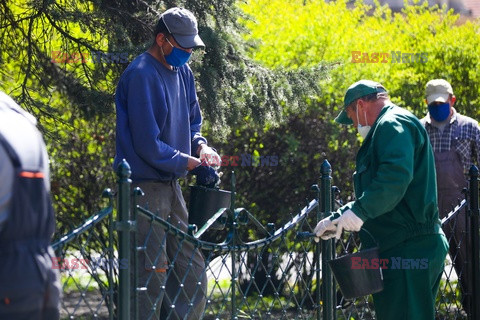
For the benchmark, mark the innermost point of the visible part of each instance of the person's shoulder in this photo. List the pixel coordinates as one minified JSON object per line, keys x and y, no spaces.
{"x":7,"y":104}
{"x":142,"y":65}
{"x":400,"y":120}
{"x":465,"y":120}
{"x":395,"y":113}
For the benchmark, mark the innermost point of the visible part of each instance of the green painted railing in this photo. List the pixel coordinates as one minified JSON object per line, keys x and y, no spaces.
{"x":255,"y":271}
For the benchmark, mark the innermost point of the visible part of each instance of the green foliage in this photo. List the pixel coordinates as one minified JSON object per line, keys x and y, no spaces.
{"x":74,"y":99}
{"x":306,"y":32}
{"x":81,"y":167}
{"x":295,"y":34}
{"x":272,"y":190}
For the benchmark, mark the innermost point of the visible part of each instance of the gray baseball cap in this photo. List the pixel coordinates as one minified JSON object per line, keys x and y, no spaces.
{"x":182,"y":24}
{"x":438,"y":90}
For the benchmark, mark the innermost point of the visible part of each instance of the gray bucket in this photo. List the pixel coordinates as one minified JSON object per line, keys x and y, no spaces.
{"x":204,"y":203}
{"x":357,"y":282}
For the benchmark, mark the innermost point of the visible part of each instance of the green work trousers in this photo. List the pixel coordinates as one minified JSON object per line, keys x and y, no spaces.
{"x":410,"y":287}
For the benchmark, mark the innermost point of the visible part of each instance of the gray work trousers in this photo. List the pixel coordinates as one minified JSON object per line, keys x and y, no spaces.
{"x":450,"y":183}
{"x":172,"y":270}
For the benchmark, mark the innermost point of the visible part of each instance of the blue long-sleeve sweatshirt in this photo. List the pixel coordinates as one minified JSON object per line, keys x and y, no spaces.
{"x":158,"y":119}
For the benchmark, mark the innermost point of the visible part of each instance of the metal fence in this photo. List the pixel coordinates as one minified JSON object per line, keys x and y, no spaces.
{"x":86,"y":259}
{"x":254,"y":270}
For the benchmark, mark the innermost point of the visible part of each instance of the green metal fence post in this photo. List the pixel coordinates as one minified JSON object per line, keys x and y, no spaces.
{"x":123,"y":228}
{"x":475,"y":265}
{"x":107,"y":193}
{"x":318,"y":251}
{"x":233,"y":246}
{"x":327,"y":278}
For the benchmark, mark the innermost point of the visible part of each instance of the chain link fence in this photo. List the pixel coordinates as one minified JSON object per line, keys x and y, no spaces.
{"x":87,"y":263}
{"x":252,"y":270}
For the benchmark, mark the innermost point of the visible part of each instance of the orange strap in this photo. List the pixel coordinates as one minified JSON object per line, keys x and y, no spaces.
{"x":159,"y":270}
{"x":31,"y":175}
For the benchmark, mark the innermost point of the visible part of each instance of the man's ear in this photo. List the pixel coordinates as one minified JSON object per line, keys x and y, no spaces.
{"x":361,"y":105}
{"x":453,"y":99}
{"x":160,"y":39}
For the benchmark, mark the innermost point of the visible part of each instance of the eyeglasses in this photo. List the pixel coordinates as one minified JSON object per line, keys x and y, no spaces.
{"x":179,"y":47}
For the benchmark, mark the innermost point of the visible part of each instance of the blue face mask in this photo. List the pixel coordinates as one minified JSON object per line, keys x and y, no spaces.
{"x":177,"y":57}
{"x":439,"y":112}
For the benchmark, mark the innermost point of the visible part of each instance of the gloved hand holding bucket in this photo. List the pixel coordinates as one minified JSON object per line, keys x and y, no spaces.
{"x":331,"y":227}
{"x":354,"y":279}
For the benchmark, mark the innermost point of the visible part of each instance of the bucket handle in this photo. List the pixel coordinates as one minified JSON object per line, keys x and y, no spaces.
{"x":368,"y":232}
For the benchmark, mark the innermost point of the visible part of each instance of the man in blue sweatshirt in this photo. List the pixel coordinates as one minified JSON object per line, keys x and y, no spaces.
{"x":158,"y":133}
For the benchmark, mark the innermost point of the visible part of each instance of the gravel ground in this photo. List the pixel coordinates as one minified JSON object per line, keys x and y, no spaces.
{"x":89,"y":305}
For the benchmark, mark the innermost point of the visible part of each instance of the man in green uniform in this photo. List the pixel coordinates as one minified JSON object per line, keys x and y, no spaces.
{"x":396,"y":201}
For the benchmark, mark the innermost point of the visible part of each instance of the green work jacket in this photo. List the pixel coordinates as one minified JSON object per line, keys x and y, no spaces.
{"x":395,"y":181}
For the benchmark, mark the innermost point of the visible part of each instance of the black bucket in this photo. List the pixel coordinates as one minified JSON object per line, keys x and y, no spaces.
{"x":354,"y":279}
{"x":204,"y":203}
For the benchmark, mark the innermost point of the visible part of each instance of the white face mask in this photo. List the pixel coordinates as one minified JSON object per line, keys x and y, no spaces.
{"x":363,"y":130}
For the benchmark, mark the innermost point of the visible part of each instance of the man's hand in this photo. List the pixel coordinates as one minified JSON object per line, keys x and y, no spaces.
{"x":209,"y":155}
{"x":325,"y":229}
{"x":348,"y":221}
{"x":206,"y":175}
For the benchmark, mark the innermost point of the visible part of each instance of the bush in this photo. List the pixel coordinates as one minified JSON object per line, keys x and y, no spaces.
{"x":297,"y":34}
{"x":301,"y":33}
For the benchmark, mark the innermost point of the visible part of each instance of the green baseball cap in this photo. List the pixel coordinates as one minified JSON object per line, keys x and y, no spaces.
{"x":357,"y":90}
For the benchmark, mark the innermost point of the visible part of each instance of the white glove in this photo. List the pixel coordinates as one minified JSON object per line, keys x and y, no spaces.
{"x":348,"y":221}
{"x":210,"y":156}
{"x":325,"y":229}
